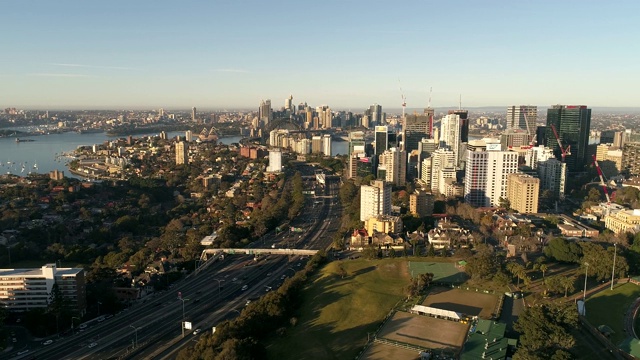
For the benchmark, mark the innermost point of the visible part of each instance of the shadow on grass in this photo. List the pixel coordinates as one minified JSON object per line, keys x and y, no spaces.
{"x":363,"y":270}
{"x":465,"y":309}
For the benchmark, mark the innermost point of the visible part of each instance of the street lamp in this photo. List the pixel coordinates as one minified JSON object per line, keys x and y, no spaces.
{"x":73,"y":317}
{"x":135,"y":344}
{"x":219,"y":281}
{"x":183,"y":300}
{"x":613,"y":270}
{"x":586,"y":270}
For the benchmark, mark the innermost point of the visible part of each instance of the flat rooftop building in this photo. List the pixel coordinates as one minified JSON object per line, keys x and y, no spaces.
{"x":26,"y":289}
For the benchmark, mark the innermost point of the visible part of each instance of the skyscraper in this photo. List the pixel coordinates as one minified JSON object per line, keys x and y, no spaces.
{"x":442,"y":160}
{"x":573,"y":123}
{"x":288,"y":103}
{"x":553,"y":177}
{"x":430,"y":113}
{"x":264,"y":111}
{"x":193,"y":113}
{"x":416,"y":128}
{"x":275,"y":160}
{"x":375,"y":114}
{"x":464,"y":123}
{"x":182,"y":156}
{"x":486,"y":175}
{"x":522,"y":117}
{"x":326,"y":144}
{"x":381,"y":139}
{"x":357,"y":143}
{"x":450,"y":133}
{"x":375,"y":199}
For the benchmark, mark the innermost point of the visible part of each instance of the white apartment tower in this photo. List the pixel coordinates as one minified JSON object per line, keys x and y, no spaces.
{"x":275,"y":161}
{"x":450,"y":133}
{"x":441,"y":159}
{"x":375,"y":199}
{"x":326,"y":144}
{"x":486,"y":176}
{"x":394,"y":161}
{"x":553,"y":176}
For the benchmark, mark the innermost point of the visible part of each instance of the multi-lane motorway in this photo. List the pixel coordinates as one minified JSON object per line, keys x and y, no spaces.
{"x":152,"y":328}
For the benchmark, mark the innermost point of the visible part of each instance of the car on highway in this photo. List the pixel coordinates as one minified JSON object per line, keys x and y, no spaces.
{"x":92,"y":345}
{"x":48,"y":342}
{"x":196,"y":332}
{"x":234,"y":279}
{"x":82,"y":326}
{"x":23,"y":352}
{"x":283,"y":277}
{"x":245,"y":287}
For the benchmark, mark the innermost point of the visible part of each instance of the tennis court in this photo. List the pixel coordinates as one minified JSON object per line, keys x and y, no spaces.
{"x":442,"y":272}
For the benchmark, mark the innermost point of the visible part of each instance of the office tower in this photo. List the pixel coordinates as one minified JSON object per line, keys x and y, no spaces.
{"x":463,"y":122}
{"x":357,"y":142}
{"x":288,"y":103}
{"x":441,"y":160}
{"x":631,"y":158}
{"x":450,"y":133}
{"x":264,"y":112}
{"x":161,"y":113}
{"x":425,"y":172}
{"x":612,"y":137}
{"x":374,"y":112}
{"x":375,"y":199}
{"x":413,"y":163}
{"x":486,"y":176}
{"x":523,"y":193}
{"x":537,"y":154}
{"x":394,"y":161}
{"x":309,"y":118}
{"x":421,"y":204}
{"x":26,"y":289}
{"x":553,"y":177}
{"x":522,"y":117}
{"x":182,"y":156}
{"x":572,"y":122}
{"x":426,"y":147}
{"x":430,"y":113}
{"x":316,"y":144}
{"x":188,"y":135}
{"x":381,"y":139}
{"x":416,"y":128}
{"x":325,"y":117}
{"x":541,"y":135}
{"x":326,"y":144}
{"x":275,"y":161}
{"x":193,"y":113}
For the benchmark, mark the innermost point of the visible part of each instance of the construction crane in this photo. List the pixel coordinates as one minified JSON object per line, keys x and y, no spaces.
{"x":602,"y":182}
{"x":526,"y":121}
{"x":430,"y":114}
{"x":563,"y":151}
{"x":404,"y":99}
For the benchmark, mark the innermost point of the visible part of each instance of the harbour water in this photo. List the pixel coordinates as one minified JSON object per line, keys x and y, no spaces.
{"x":43,"y":154}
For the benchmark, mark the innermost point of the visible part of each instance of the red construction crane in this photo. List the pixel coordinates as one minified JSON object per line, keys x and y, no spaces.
{"x":602,"y":183}
{"x":563,"y":151}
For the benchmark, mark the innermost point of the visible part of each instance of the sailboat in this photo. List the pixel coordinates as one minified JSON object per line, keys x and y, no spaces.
{"x":35,"y":165}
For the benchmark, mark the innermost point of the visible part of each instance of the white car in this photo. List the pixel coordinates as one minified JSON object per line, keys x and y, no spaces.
{"x":245,"y":287}
{"x":93,"y":344}
{"x":196,"y":332}
{"x":48,"y":342}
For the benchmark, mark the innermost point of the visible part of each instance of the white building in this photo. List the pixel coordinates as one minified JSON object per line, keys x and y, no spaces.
{"x":375,"y":199}
{"x":394,"y":161}
{"x":188,"y":135}
{"x":441,"y":159}
{"x":486,"y":176}
{"x":450,"y":133}
{"x":326,"y":144}
{"x":26,"y":289}
{"x":275,"y":160}
{"x":538,"y":154}
{"x":553,"y":176}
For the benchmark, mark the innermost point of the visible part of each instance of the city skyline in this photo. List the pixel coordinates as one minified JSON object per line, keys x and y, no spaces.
{"x":116,"y":55}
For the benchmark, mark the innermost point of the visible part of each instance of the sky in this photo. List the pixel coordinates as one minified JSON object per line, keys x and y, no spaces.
{"x":347,"y":54}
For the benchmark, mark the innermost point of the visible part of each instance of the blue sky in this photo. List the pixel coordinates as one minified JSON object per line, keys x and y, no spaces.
{"x":347,"y":53}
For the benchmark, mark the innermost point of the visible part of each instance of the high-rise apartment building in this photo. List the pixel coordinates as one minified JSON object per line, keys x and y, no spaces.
{"x":631,"y":158}
{"x":357,"y":142}
{"x":326,"y":144}
{"x":394,"y":161}
{"x":316,"y":144}
{"x":463,"y":122}
{"x":523,"y":193}
{"x":275,"y":161}
{"x":193,"y":113}
{"x":537,"y":154}
{"x":182,"y":153}
{"x":522,"y":117}
{"x":450,"y":133}
{"x":421,"y":203}
{"x":26,"y":289}
{"x":188,"y":136}
{"x":609,"y":159}
{"x":573,"y":123}
{"x":375,"y":199}
{"x":430,"y":113}
{"x":425,"y":172}
{"x":553,"y":176}
{"x":442,"y":160}
{"x":486,"y":175}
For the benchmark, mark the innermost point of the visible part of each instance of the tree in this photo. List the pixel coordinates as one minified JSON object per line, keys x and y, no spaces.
{"x":543,"y":268}
{"x":341,"y":271}
{"x":546,"y":331}
{"x":432,"y":250}
{"x":483,"y":264}
{"x":504,"y":203}
{"x":563,"y":250}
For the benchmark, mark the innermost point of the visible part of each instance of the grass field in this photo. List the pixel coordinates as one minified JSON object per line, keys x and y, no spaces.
{"x":377,"y":351}
{"x":445,"y":272}
{"x":338,"y":313}
{"x":463,"y":301}
{"x":609,"y":307}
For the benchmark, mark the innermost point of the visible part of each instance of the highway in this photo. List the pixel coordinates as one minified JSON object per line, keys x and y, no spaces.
{"x":151,"y":329}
